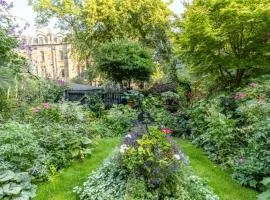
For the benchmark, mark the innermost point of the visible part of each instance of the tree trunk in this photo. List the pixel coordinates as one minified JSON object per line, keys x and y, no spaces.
{"x":239,"y":76}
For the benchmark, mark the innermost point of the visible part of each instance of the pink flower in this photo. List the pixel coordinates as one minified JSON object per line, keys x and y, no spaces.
{"x":37,"y":110}
{"x":46,"y":105}
{"x":253,"y":84}
{"x":166,"y":130}
{"x":240,"y":96}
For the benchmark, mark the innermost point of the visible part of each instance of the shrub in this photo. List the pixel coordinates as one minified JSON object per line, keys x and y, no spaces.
{"x":18,"y":146}
{"x":252,"y":163}
{"x":108,"y":182}
{"x":265,"y":195}
{"x":16,"y":185}
{"x":63,"y":143}
{"x":73,"y":113}
{"x":234,"y":130}
{"x":152,"y":156}
{"x":133,"y":174}
{"x":115,"y":122}
{"x":94,"y":103}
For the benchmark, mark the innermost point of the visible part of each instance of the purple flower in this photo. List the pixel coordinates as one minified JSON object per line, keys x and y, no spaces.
{"x":11,"y":31}
{"x":3,"y":3}
{"x":155,"y":181}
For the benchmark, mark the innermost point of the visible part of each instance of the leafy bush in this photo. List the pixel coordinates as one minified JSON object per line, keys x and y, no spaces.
{"x":253,"y":161}
{"x":42,"y":150}
{"x":108,"y":182}
{"x":61,"y":144}
{"x":151,"y":155}
{"x":126,"y":177}
{"x":94,"y":103}
{"x":115,"y":122}
{"x":170,"y":98}
{"x":46,"y":114}
{"x":18,"y":146}
{"x":234,"y":131}
{"x":265,"y":195}
{"x":73,"y":113}
{"x":66,"y":112}
{"x":16,"y":186}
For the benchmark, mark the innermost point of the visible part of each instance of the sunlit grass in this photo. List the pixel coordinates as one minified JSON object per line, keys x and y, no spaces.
{"x":220,"y":180}
{"x":61,"y":186}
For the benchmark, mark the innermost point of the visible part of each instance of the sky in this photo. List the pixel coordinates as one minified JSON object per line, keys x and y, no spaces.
{"x":22,"y":10}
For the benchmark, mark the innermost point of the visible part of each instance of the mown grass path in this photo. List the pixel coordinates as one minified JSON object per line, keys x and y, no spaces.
{"x":220,"y":180}
{"x":61,"y":186}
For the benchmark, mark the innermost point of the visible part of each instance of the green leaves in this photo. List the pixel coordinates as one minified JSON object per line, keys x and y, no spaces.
{"x":16,"y":185}
{"x":225,"y":39}
{"x":124,"y":60}
{"x":265,"y":195}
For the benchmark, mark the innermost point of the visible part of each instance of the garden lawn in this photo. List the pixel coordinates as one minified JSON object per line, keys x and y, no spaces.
{"x":61,"y":186}
{"x":220,"y":180}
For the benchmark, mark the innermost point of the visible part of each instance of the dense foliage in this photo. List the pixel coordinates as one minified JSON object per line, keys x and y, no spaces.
{"x":123,"y":60}
{"x":234,"y":130}
{"x":95,"y":22}
{"x":226,"y":41}
{"x":115,"y":122}
{"x":155,"y":173}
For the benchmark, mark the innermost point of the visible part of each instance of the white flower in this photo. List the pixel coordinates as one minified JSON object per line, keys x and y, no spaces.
{"x":123,"y":148}
{"x":176,"y":156}
{"x":128,"y":136}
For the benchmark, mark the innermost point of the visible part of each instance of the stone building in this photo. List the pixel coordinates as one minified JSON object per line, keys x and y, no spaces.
{"x":50,"y":57}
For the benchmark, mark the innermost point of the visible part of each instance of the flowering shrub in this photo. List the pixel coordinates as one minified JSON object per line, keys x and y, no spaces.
{"x":234,"y":129}
{"x":153,"y":172}
{"x":151,"y":155}
{"x":46,"y":113}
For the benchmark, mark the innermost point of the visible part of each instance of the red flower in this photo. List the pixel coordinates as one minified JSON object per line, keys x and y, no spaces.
{"x":166,"y":130}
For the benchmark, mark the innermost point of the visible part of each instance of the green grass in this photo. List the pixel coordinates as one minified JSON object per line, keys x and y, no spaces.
{"x":61,"y":186}
{"x":220,"y":180}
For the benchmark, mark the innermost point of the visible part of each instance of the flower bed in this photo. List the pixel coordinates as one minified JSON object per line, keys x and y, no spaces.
{"x":147,"y":165}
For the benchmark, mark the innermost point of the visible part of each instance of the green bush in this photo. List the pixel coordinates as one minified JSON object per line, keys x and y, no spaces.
{"x":18,"y":146}
{"x":108,"y":182}
{"x":115,"y":122}
{"x":142,"y":159}
{"x":152,"y":156}
{"x":234,"y":131}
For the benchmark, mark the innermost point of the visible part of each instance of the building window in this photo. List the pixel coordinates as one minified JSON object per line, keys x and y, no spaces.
{"x":40,"y":40}
{"x":42,"y":56}
{"x":60,"y":40}
{"x":61,"y":53}
{"x":46,"y":40}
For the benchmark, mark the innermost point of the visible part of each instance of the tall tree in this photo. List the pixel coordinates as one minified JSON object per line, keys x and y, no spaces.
{"x":228,"y":40}
{"x":94,"y":22}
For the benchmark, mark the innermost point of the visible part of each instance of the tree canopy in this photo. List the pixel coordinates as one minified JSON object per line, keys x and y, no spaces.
{"x":123,"y":60}
{"x":94,"y":22}
{"x":228,"y":40}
